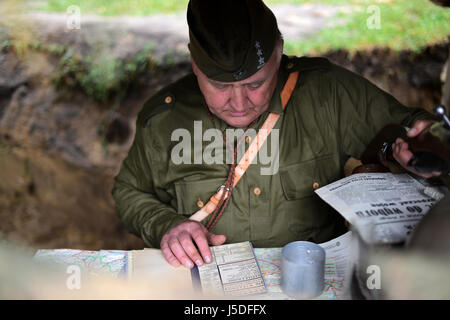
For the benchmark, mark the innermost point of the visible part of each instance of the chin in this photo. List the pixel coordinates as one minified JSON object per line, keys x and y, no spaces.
{"x":239,"y":122}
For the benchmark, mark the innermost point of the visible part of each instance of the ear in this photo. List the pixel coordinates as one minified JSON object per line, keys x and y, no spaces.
{"x":194,"y":66}
{"x":281,"y":48}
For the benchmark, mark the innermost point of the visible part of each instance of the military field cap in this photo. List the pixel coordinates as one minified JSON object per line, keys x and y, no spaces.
{"x":230,"y":40}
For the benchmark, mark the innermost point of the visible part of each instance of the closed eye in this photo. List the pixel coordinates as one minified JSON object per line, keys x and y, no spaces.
{"x":255,"y":85}
{"x":220,"y":86}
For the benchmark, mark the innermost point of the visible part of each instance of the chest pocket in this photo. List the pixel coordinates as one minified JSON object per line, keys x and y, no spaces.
{"x":305,"y":213}
{"x":191,"y":195}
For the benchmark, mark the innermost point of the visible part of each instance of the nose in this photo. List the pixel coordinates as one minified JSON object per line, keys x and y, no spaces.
{"x":238,"y":99}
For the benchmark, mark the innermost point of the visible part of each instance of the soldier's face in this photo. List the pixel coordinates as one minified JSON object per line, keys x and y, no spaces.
{"x":239,"y":103}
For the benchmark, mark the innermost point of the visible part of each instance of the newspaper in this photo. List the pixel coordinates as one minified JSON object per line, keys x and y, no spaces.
{"x":233,"y":271}
{"x":383,"y":207}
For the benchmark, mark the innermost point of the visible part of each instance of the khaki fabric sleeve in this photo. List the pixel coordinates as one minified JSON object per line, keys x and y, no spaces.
{"x":137,"y":204}
{"x":363,"y":109}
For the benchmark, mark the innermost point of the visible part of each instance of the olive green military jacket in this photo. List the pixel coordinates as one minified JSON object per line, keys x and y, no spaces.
{"x":332,"y":115}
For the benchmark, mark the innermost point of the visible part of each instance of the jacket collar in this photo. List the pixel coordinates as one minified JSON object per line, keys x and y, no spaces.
{"x":283,"y":74}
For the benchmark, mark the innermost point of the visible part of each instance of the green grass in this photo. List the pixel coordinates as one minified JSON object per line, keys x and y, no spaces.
{"x":118,"y":7}
{"x":405,"y":24}
{"x":100,"y":77}
{"x":145,"y":7}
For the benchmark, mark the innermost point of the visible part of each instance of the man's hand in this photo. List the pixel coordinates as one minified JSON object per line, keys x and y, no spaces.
{"x":401,"y":152}
{"x":178,"y":246}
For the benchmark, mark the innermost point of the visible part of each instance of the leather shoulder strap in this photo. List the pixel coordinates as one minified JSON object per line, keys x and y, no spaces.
{"x":288,"y":88}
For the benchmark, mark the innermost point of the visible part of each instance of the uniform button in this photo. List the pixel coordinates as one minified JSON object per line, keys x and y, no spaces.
{"x":257,"y":191}
{"x":168,"y":99}
{"x":247,"y":139}
{"x":200,"y":203}
{"x":290,"y":65}
{"x":315,"y":185}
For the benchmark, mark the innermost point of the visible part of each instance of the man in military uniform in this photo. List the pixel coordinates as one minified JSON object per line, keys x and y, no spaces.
{"x":239,"y":72}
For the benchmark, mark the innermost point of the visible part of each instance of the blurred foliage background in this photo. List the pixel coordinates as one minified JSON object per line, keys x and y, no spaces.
{"x":410,"y":25}
{"x":406,"y":24}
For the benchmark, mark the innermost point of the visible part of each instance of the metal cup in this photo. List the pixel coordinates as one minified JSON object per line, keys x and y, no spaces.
{"x":302,"y":269}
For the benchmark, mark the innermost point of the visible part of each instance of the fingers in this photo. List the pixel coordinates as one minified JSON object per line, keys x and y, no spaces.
{"x":167,"y":252}
{"x":187,"y":251}
{"x":179,"y":252}
{"x":179,"y":245}
{"x":401,"y":152}
{"x":202,"y":244}
{"x":215,"y":239}
{"x":418,"y":127}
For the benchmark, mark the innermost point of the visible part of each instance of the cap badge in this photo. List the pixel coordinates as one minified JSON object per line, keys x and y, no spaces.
{"x":239,"y":74}
{"x":259,"y":53}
